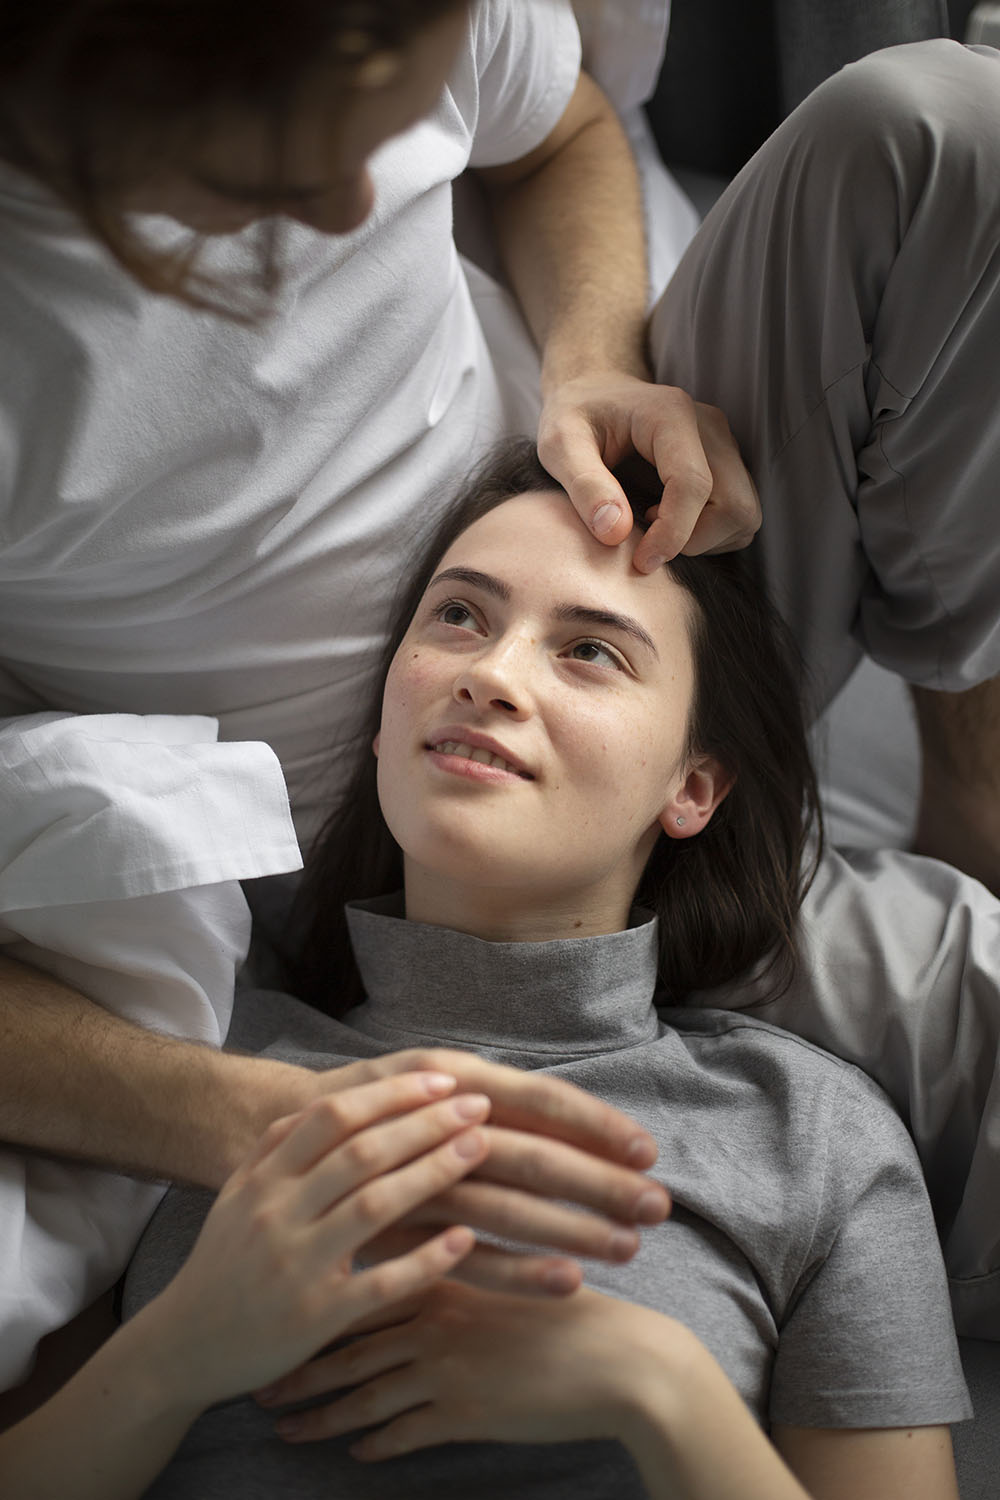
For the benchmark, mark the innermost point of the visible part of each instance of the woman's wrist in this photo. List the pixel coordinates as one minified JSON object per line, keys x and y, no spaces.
{"x":691,"y":1434}
{"x":657,"y":1370}
{"x":156,"y":1352}
{"x":108,"y":1432}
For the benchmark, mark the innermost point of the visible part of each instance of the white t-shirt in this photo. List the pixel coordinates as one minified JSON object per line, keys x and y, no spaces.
{"x":202,"y":518}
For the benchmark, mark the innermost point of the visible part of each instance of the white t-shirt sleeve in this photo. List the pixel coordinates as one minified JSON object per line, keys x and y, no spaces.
{"x":526,"y":63}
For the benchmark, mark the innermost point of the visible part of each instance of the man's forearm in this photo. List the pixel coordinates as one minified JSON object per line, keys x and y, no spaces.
{"x":77,"y":1081}
{"x":572,"y":239}
{"x":959,"y":815}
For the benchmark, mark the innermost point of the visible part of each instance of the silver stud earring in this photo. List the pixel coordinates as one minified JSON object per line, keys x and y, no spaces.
{"x":681,"y":822}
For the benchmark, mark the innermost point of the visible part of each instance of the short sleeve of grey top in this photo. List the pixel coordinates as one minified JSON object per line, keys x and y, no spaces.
{"x":801,"y":1248}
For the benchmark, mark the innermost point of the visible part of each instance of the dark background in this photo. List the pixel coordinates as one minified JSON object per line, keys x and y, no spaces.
{"x":734,"y":68}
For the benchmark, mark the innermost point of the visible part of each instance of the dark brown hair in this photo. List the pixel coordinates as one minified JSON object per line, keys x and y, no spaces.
{"x":117,"y":89}
{"x":726,"y":899}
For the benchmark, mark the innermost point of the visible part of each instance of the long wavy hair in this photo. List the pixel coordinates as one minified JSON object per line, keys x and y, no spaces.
{"x":727,"y":899}
{"x":95,"y":95}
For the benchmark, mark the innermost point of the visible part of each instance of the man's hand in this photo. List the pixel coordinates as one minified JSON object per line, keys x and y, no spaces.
{"x":569,"y":226}
{"x":547,"y":1141}
{"x":590,"y":424}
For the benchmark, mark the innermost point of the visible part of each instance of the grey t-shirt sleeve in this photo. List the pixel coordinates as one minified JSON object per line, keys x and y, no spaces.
{"x":867,"y":1339}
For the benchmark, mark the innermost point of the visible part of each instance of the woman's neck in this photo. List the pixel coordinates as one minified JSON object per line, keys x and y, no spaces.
{"x":512,"y":915}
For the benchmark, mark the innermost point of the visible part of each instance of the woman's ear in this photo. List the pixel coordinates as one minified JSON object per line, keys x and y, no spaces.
{"x":696,"y":799}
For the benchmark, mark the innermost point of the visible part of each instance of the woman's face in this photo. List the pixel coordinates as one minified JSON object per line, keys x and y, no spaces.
{"x":534,"y":723}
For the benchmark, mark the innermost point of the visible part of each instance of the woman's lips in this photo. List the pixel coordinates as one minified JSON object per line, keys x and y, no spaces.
{"x":481,"y":762}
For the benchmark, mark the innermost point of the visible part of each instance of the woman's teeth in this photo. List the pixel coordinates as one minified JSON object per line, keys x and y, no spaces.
{"x":470,"y":752}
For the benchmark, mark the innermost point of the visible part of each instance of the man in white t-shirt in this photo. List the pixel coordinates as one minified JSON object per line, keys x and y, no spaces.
{"x":202,"y":519}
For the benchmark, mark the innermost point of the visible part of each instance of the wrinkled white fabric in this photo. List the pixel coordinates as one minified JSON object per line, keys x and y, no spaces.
{"x":623,"y":44}
{"x":105,"y":806}
{"x":134,"y":899}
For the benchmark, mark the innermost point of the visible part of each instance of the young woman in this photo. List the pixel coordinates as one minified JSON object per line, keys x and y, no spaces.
{"x":592,"y":784}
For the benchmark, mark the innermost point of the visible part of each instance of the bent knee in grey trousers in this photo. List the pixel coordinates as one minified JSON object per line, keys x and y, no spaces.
{"x":841,"y":304}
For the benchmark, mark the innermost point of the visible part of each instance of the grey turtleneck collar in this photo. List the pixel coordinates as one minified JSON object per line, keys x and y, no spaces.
{"x":576,"y":995}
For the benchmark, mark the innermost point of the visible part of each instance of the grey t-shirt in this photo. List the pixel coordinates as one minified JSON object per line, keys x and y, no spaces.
{"x":801,"y":1248}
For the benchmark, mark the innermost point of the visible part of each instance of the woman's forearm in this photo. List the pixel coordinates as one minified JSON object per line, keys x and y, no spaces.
{"x":693,"y":1438}
{"x":80,"y":1082}
{"x":107,"y":1433}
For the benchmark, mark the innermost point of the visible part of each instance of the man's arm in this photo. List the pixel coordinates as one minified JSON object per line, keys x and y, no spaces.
{"x":77,"y":1081}
{"x":86,"y":1084}
{"x":959,"y":816}
{"x":569,"y":223}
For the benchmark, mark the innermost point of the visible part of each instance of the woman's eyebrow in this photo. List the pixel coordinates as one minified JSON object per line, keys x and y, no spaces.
{"x":607,"y":619}
{"x":476,"y":580}
{"x":576,"y":614}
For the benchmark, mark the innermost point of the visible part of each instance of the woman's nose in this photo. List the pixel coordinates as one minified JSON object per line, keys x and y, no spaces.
{"x":494,"y":679}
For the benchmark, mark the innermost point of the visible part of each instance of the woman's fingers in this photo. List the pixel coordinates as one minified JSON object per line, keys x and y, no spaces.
{"x":369,"y":1154}
{"x":331,"y":1119}
{"x":383,"y":1199}
{"x":377,"y":1401}
{"x":491,"y":1269}
{"x":385,"y":1284}
{"x":355,"y":1362}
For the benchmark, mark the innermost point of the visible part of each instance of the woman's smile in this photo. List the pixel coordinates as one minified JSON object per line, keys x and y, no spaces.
{"x":465,"y":752}
{"x":576,"y":681}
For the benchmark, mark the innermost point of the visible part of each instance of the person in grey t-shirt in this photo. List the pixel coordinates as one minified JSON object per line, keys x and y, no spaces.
{"x":554,"y":743}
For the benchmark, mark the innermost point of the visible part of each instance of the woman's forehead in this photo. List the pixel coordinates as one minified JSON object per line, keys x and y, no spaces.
{"x":537,"y":543}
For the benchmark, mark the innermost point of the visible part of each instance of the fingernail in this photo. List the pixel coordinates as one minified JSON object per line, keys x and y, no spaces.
{"x":623,"y":1244}
{"x":560,"y":1280}
{"x":469,"y":1143}
{"x":438,"y":1083}
{"x":288,"y":1427}
{"x":651,"y":1208}
{"x":471,"y":1106}
{"x":605,"y":518}
{"x":641,"y":1152}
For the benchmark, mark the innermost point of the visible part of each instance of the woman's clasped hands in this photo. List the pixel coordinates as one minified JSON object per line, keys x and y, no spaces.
{"x":271,"y":1278}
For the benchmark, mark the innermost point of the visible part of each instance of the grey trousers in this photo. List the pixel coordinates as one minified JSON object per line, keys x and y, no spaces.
{"x":841,"y":304}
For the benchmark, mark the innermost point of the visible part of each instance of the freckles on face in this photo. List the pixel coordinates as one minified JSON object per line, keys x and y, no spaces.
{"x":551,"y":646}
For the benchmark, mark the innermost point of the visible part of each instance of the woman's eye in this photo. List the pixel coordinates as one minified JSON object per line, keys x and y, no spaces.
{"x":593,"y":651}
{"x":452,"y":613}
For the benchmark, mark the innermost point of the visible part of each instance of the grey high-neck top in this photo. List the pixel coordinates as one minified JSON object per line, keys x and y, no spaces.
{"x":801,"y":1247}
